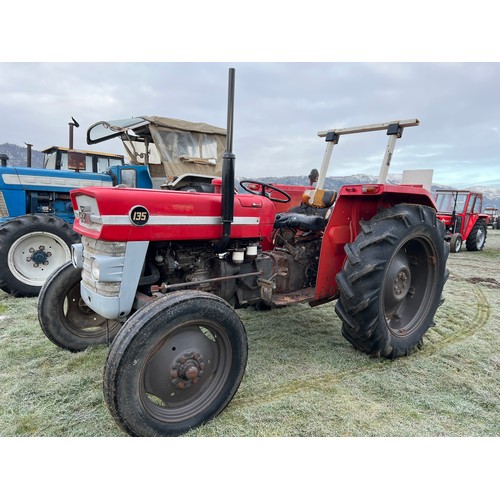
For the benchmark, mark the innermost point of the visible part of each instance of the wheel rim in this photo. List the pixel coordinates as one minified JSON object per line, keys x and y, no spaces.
{"x":458,"y":244}
{"x":185,"y":372}
{"x":480,"y":237}
{"x":78,"y":318}
{"x":409,"y":286}
{"x":33,"y":257}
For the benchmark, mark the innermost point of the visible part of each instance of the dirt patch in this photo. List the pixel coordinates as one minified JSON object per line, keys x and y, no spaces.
{"x":488,"y":282}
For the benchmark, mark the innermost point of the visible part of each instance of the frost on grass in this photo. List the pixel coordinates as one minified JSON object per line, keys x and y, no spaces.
{"x":303,"y":378}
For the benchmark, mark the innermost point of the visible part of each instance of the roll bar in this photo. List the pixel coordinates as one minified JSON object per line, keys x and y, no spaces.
{"x":394,"y":131}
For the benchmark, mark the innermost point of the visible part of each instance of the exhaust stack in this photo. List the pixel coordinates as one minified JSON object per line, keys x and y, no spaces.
{"x":228,"y":163}
{"x":72,"y":125}
{"x":28,"y":154}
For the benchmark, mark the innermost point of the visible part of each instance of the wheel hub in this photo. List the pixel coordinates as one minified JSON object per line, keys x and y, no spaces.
{"x":480,"y":238}
{"x":402,"y":283}
{"x":39,"y":256}
{"x":187,"y":370}
{"x":398,"y":283}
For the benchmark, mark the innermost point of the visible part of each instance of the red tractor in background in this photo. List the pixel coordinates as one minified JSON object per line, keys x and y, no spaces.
{"x":493,"y":217}
{"x":461,"y":214}
{"x":160,"y":274}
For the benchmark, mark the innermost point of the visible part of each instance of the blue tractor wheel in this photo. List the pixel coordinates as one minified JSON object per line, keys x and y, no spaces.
{"x":32,"y":247}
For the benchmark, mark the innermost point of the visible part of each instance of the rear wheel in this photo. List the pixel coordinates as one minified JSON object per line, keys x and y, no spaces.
{"x":455,"y":243}
{"x":176,"y":364}
{"x":391,"y":284}
{"x":31,"y":248}
{"x":477,"y":237}
{"x":64,"y":317}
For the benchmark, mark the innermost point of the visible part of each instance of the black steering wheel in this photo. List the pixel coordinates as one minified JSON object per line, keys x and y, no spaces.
{"x":247,"y":186}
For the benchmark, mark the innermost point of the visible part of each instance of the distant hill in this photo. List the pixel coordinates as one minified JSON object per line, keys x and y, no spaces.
{"x":18,"y":155}
{"x":491,"y":196}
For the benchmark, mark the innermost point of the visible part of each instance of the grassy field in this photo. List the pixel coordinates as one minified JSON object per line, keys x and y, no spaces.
{"x":302,"y":378}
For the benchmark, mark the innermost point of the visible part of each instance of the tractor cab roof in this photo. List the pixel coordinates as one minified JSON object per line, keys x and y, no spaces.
{"x":140,"y":126}
{"x":54,"y":149}
{"x":170,"y":146}
{"x":457,"y":191}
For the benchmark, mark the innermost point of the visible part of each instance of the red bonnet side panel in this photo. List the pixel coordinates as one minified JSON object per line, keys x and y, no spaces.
{"x":167,"y":215}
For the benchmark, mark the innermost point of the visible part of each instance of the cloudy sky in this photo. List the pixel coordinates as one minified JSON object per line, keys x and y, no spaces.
{"x":280,"y":106}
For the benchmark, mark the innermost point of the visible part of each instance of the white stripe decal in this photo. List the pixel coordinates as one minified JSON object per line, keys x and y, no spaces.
{"x":174,"y":220}
{"x":46,"y":181}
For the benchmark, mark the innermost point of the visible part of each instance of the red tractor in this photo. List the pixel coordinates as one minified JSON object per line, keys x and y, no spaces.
{"x":461,"y":214}
{"x":164,"y":271}
{"x":493,"y":217}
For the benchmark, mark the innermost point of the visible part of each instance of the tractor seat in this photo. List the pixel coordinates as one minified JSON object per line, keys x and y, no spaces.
{"x":300,"y":221}
{"x":311,"y":215}
{"x":319,"y":198}
{"x":316,"y":202}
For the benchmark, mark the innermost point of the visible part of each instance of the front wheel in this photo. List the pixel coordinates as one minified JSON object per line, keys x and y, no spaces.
{"x":31,"y":248}
{"x":64,"y":317}
{"x":391,"y":284}
{"x":455,"y":243}
{"x":176,"y":364}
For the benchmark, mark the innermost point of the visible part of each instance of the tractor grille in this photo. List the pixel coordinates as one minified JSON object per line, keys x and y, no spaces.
{"x":93,"y":248}
{"x":4,"y":212}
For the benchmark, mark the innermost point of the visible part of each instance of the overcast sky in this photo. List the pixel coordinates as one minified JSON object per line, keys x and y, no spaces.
{"x":280,"y":106}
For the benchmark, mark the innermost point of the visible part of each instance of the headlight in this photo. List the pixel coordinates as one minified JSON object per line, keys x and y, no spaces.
{"x":77,"y":255}
{"x":94,"y":269}
{"x":105,"y":268}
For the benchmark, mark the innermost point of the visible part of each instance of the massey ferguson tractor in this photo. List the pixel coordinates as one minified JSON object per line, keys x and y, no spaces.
{"x":159,"y":274}
{"x":461,"y":213}
{"x":36,"y":215}
{"x":493,"y":217}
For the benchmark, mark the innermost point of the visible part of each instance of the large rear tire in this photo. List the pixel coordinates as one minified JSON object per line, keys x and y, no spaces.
{"x":391,"y":284}
{"x":64,"y":317}
{"x":176,"y":364}
{"x":32,"y":247}
{"x":477,"y":237}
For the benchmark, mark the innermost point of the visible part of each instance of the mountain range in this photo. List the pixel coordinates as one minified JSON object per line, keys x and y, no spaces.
{"x":491,"y":196}
{"x":18,"y":155}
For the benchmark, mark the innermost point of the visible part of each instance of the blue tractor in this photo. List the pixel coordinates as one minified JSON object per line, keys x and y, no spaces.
{"x":36,"y":216}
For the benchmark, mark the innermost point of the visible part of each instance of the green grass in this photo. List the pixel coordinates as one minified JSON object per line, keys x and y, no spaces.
{"x":302,"y":378}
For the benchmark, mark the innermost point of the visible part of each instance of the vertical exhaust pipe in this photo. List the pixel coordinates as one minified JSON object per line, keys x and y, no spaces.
{"x":72,"y":125}
{"x":228,"y":163}
{"x":3,"y":160}
{"x":28,"y":154}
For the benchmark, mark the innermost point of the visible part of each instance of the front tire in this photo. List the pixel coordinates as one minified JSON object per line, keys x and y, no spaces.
{"x":64,"y":317}
{"x":31,"y":248}
{"x":391,"y":284}
{"x":176,"y":364}
{"x":455,"y":243}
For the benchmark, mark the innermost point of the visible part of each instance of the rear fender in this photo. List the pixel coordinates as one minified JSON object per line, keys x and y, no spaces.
{"x":356,"y":204}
